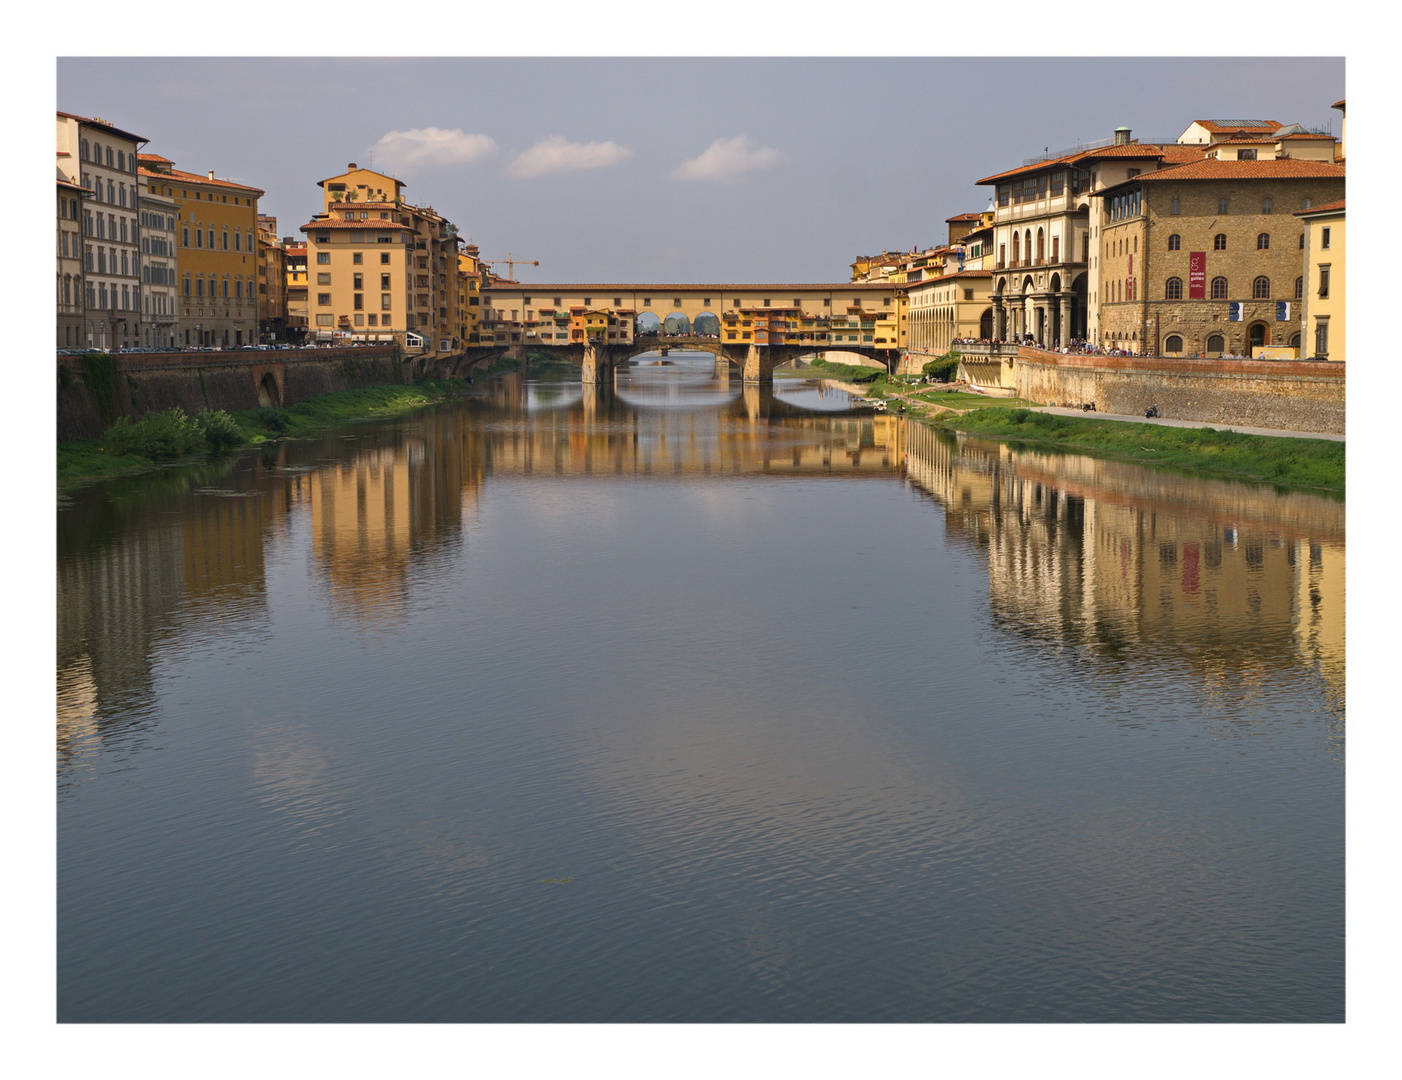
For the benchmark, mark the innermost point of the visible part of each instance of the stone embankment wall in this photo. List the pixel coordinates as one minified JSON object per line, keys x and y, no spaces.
{"x":1294,"y":395}
{"x":94,"y":390}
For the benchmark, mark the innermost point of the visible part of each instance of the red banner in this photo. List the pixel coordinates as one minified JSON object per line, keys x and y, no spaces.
{"x":1197,"y":275}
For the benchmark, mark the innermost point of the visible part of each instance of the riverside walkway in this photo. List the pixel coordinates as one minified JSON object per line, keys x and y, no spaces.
{"x":1162,"y":421}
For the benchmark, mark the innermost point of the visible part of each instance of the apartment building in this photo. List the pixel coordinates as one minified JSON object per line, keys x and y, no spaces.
{"x":381,"y":268}
{"x":68,"y":244}
{"x":159,"y":217}
{"x":295,"y":257}
{"x":272,"y":281}
{"x":217,"y":254}
{"x":102,"y":158}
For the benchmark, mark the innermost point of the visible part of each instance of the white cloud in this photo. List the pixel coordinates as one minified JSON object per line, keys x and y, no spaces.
{"x":558,"y":154}
{"x":729,"y":159}
{"x":408,"y":150}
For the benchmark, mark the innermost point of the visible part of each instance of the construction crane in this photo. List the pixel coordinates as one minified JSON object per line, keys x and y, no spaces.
{"x":511,"y":261}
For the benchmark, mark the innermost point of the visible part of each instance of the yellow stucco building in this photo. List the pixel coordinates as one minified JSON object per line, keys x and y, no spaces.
{"x":382,"y":269}
{"x":217,"y":254}
{"x":1322,"y":305}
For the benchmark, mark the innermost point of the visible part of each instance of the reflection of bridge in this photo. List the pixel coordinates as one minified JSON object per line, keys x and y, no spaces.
{"x":757,"y":327}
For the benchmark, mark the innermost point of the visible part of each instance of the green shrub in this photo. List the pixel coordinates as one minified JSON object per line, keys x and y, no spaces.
{"x":945,"y":369}
{"x":161,"y":436}
{"x":220,"y":430}
{"x":270,"y":417}
{"x":1019,"y":416}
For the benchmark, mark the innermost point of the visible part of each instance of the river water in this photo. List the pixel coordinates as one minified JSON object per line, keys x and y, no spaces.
{"x":682,"y":700}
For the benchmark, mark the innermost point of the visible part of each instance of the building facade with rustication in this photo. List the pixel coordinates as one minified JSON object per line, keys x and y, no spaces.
{"x":1204,"y":258}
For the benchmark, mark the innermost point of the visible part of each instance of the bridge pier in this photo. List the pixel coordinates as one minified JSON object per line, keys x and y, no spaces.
{"x":758,"y":366}
{"x":598,"y":363}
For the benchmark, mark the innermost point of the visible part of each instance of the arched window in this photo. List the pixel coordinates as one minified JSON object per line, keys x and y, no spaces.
{"x":1041,"y":246}
{"x":1261,"y":288}
{"x":1219,"y":242}
{"x":1219,"y":288}
{"x":1215,"y":344}
{"x":1027,"y":245}
{"x":1263,"y":241}
{"x":1017,"y":247}
{"x":1173,"y":289}
{"x":1175,"y":242}
{"x":1265,"y":206}
{"x":1173,"y":344}
{"x":1299,"y":288}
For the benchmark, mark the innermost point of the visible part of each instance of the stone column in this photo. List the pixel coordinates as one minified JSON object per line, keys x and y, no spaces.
{"x":597,"y":365}
{"x":759,"y":365}
{"x":1064,"y":337}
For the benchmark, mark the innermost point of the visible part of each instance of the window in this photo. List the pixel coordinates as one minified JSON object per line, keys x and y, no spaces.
{"x":1324,"y":280}
{"x":1265,"y":206}
{"x":384,"y":258}
{"x":1219,"y":288}
{"x":323,"y":299}
{"x":359,"y":302}
{"x":1173,"y":289}
{"x":357,"y":258}
{"x":1174,"y":206}
{"x":386,"y":301}
{"x":1216,"y":344}
{"x":1324,"y":238}
{"x":1263,"y":241}
{"x":1261,"y":288}
{"x":1321,"y":335}
{"x":357,"y":281}
{"x":1299,"y":288}
{"x":323,"y":279}
{"x":1219,"y":242}
{"x":384,"y":281}
{"x":1222,"y":205}
{"x":1175,"y":242}
{"x":1173,"y":344}
{"x":1246,"y":155}
{"x":324,"y":320}
{"x":323,"y":258}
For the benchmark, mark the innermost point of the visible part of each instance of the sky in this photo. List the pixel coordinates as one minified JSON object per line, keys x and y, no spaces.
{"x":681,"y":169}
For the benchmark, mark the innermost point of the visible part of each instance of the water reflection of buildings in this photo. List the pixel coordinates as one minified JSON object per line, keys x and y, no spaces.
{"x":1231,"y":576}
{"x":633,"y":432}
{"x":379,"y":513}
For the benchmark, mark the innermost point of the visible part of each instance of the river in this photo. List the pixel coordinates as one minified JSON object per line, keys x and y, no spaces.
{"x":682,"y":700}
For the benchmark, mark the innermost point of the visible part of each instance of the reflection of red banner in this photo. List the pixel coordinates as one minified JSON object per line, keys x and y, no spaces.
{"x":1197,"y":275}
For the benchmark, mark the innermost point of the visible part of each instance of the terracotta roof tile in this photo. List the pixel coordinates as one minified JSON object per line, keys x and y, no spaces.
{"x":195,"y":178}
{"x":1239,"y":125}
{"x":1171,"y":152}
{"x":1323,"y":208}
{"x":1215,"y":169}
{"x":374,"y":225}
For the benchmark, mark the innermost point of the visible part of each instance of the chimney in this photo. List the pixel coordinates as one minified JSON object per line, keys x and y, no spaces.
{"x":352,"y":165}
{"x":211,"y":174}
{"x":1122,"y":136}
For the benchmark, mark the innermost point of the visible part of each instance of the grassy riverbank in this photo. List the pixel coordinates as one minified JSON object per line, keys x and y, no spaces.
{"x":1296,"y":463}
{"x":127,"y":449}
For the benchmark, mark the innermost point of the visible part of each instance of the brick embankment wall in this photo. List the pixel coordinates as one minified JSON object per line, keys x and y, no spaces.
{"x":1293,"y":395}
{"x":92,"y":394}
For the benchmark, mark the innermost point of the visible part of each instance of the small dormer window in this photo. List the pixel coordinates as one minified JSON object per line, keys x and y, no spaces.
{"x":1246,"y":155}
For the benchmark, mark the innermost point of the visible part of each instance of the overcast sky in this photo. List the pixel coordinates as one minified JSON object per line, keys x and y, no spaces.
{"x":672,"y":170}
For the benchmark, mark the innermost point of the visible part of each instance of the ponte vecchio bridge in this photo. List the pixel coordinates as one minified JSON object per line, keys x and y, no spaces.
{"x":756,"y":327}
